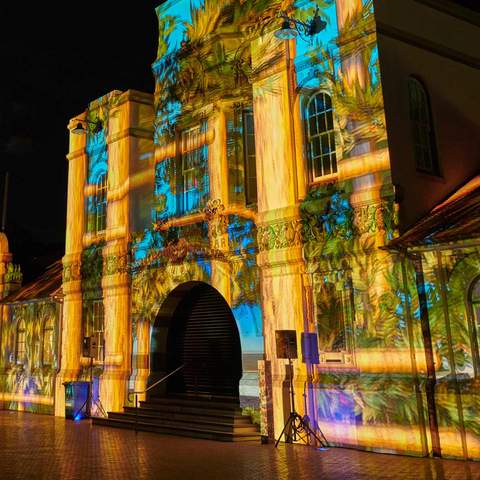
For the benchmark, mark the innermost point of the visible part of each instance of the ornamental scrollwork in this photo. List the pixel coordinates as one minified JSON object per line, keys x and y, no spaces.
{"x":217,"y":224}
{"x":13,"y":274}
{"x":213,"y":209}
{"x":113,"y":264}
{"x":376,"y":217}
{"x":283,"y":234}
{"x":71,"y":272}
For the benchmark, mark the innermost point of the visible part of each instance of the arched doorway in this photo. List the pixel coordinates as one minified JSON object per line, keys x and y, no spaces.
{"x":196,"y":328}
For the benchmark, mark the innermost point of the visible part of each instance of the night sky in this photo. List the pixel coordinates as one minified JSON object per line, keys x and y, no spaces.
{"x":56,"y":57}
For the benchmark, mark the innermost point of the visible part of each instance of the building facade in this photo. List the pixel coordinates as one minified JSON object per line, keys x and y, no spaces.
{"x":263,"y":182}
{"x":30,"y":319}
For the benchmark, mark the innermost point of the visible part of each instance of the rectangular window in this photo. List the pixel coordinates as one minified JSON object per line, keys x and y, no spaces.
{"x":193,"y":184}
{"x":333,"y":304}
{"x":165,"y":201}
{"x":250,"y":157}
{"x":241,"y":156}
{"x":321,"y":136}
{"x":48,"y":343}
{"x":21,"y":353}
{"x":94,"y":326}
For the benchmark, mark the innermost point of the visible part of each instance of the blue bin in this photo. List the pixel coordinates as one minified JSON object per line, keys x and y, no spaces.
{"x":76,"y":400}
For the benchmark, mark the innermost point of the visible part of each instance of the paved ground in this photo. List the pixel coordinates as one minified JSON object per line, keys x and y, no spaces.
{"x":43,"y":447}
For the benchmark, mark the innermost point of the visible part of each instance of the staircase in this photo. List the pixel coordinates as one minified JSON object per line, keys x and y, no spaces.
{"x":220,"y":420}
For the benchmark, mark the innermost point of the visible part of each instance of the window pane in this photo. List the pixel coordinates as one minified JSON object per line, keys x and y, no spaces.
{"x":328,"y":102}
{"x":476,"y":291}
{"x":20,"y":347}
{"x":334,"y":162}
{"x":250,"y":166}
{"x":194,"y":170}
{"x":312,"y":126}
{"x":330,"y":318}
{"x":316,"y":147}
{"x":48,"y":347}
{"x":321,"y":136}
{"x":320,"y":100}
{"x":422,"y":128}
{"x":329,"y":120}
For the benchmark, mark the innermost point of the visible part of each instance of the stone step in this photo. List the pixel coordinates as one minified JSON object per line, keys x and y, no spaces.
{"x":200,"y":401}
{"x":191,"y":417}
{"x":186,"y":431}
{"x":193,"y":409}
{"x":209,"y":424}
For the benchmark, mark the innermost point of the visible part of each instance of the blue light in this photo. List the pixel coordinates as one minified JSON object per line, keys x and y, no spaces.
{"x":77,"y":417}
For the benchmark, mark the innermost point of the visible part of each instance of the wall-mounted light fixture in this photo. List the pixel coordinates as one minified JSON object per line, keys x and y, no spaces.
{"x":291,"y":27}
{"x":80,"y":129}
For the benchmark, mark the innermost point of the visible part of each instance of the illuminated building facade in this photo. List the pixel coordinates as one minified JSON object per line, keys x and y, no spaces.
{"x":30,"y":339}
{"x":260,"y":189}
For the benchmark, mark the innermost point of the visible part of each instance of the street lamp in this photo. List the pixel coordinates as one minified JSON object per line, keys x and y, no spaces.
{"x":291,"y":27}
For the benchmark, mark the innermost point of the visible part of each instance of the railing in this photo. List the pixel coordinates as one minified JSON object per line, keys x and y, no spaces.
{"x":147,"y":389}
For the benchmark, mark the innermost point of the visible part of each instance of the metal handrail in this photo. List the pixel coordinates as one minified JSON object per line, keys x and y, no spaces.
{"x":136,"y":393}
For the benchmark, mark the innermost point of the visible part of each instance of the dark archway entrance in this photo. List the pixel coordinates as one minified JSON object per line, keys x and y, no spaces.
{"x":199,"y":332}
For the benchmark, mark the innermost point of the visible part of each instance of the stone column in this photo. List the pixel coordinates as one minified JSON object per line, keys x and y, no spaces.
{"x":218,"y":175}
{"x":115,"y":280}
{"x":71,"y":321}
{"x":280,"y":257}
{"x":130,"y":170}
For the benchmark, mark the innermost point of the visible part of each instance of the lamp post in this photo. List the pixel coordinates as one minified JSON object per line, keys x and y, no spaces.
{"x":79,"y":129}
{"x":291,"y":27}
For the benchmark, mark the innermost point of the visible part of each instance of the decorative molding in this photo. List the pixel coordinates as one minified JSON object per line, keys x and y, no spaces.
{"x":13,"y":274}
{"x":114,"y":264}
{"x":374,"y":217}
{"x":281,"y":234}
{"x":429,"y":46}
{"x":71,"y":271}
{"x":213,"y":209}
{"x":453,"y":9}
{"x":217,"y":225}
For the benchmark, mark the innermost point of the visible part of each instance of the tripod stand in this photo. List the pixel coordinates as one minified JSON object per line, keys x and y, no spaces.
{"x":296,"y":428}
{"x":87,"y":404}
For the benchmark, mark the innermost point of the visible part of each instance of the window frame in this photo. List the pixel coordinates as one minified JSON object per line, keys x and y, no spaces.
{"x":90,"y":325}
{"x":343,"y":290}
{"x":20,"y":333}
{"x":199,"y":152}
{"x":48,"y":326}
{"x":100,"y":202}
{"x":474,"y":323}
{"x":249,"y":158}
{"x":329,"y":133}
{"x":422,"y":127}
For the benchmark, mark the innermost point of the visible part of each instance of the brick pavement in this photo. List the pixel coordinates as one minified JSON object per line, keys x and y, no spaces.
{"x":43,"y":447}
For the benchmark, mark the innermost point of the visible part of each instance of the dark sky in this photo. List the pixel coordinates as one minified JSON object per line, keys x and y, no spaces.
{"x":55,"y":58}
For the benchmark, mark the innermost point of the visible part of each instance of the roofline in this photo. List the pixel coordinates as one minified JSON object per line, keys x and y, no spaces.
{"x":453,"y":9}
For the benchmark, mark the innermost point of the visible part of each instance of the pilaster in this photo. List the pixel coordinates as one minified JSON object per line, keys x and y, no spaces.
{"x":279,"y":234}
{"x":71,"y":321}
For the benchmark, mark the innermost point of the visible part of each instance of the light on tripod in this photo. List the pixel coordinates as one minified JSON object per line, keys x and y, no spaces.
{"x":296,"y":427}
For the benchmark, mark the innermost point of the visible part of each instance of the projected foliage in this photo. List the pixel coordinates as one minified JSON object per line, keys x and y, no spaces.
{"x":218,"y":213}
{"x":29,"y":356}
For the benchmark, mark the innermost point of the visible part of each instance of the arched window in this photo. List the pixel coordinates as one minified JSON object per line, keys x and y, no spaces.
{"x":20,"y":350}
{"x":474,"y":304}
{"x":321,"y":136}
{"x":48,"y":341}
{"x":101,"y":203}
{"x":422,"y":128}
